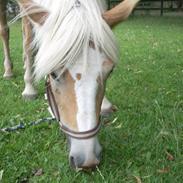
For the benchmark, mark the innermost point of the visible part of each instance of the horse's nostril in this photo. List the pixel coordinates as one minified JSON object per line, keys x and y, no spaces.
{"x":72,"y":163}
{"x":76,"y":161}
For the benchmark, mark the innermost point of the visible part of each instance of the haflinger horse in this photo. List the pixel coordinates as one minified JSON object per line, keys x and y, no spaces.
{"x":77,"y":51}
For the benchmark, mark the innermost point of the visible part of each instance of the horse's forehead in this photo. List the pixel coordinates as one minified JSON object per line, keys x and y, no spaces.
{"x":91,"y":71}
{"x":90,"y":67}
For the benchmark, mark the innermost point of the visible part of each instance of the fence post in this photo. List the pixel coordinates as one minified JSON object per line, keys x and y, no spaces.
{"x":162,"y":6}
{"x":109,"y":4}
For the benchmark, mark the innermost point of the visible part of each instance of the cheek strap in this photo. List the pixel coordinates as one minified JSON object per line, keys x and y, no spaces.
{"x":53,"y":107}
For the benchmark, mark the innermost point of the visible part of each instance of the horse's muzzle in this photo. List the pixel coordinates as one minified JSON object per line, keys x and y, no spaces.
{"x":79,"y":163}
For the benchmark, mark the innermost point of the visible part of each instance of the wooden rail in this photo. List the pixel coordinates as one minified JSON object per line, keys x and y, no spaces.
{"x":161,"y":7}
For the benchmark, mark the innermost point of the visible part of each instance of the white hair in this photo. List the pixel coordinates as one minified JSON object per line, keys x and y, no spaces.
{"x":67,"y":32}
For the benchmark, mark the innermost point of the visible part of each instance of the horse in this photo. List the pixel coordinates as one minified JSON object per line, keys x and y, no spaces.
{"x":29,"y":91}
{"x":77,"y":51}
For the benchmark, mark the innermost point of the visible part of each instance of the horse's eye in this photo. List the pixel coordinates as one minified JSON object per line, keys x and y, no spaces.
{"x":54,"y":75}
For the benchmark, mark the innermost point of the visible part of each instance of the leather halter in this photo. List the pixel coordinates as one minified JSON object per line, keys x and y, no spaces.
{"x":55,"y":111}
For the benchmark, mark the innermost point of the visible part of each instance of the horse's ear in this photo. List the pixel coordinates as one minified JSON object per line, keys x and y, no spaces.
{"x":36,"y":13}
{"x":120,"y":12}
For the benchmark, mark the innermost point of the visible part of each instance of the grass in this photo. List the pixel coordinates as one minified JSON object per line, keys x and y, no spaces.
{"x":144,"y":144}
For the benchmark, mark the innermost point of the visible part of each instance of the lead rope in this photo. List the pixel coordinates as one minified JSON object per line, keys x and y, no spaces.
{"x":23,"y":125}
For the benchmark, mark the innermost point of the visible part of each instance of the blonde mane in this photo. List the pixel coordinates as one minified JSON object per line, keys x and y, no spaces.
{"x":67,"y":32}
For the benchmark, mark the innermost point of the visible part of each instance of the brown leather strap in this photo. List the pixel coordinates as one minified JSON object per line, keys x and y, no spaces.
{"x":51,"y":100}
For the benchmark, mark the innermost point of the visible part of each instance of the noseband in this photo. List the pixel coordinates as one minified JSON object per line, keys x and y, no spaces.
{"x":55,"y":111}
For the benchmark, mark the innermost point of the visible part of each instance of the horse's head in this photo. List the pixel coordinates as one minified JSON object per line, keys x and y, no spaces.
{"x":77,"y":51}
{"x":75,"y":98}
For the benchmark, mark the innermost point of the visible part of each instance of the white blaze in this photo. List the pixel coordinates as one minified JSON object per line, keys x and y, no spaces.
{"x":86,"y":89}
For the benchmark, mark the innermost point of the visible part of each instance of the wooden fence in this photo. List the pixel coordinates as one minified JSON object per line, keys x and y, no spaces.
{"x":173,"y":5}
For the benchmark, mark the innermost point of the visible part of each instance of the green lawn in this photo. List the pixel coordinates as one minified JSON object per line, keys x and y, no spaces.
{"x":145,"y":141}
